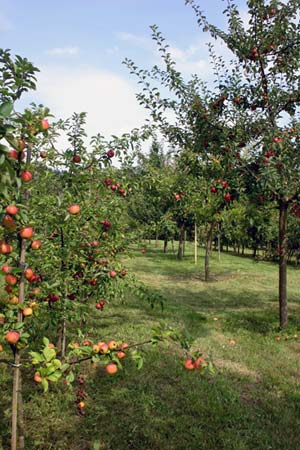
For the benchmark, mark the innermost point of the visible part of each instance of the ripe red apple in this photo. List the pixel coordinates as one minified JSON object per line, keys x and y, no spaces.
{"x":277,"y":139}
{"x":112,"y":274}
{"x":124,"y":345}
{"x":110,"y":153}
{"x":189,"y":364}
{"x":103,"y":348}
{"x":12,"y":337}
{"x":43,"y":155}
{"x":13,"y":154}
{"x":121,"y":354}
{"x":9,"y":223}
{"x":26,"y":233}
{"x":12,"y":210}
{"x":113,"y":187}
{"x":37,"y":378}
{"x":107,"y":181}
{"x":5,"y":248}
{"x":227,"y":197}
{"x":111,"y":368}
{"x":26,"y":176}
{"x":44,"y":124}
{"x":11,"y":279}
{"x":35,"y":245}
{"x":224,"y":184}
{"x":200,"y":363}
{"x":76,"y":159}
{"x":74,"y":209}
{"x":6,"y":269}
{"x":28,"y":273}
{"x":177,"y":197}
{"x":213,"y":189}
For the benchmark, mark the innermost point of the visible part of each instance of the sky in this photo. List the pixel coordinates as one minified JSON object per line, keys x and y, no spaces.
{"x":79,"y":47}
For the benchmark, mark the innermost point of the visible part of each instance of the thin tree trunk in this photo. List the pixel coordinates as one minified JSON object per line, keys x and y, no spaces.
{"x":173,"y":250}
{"x":196,"y":243}
{"x":180,"y":242}
{"x":16,"y":392}
{"x":184,"y":242}
{"x":21,"y":425}
{"x":283,"y":307}
{"x":165,"y":245}
{"x":219,"y":243}
{"x":208,"y":250}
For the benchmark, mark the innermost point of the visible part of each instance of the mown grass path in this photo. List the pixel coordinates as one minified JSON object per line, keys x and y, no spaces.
{"x":251,"y":403}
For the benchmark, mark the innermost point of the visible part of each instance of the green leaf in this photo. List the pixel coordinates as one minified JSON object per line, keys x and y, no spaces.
{"x":55,"y":376}
{"x":6,"y":109}
{"x":36,"y":357}
{"x":70,"y":377}
{"x":45,"y":385}
{"x":46,"y":341}
{"x":49,"y":353}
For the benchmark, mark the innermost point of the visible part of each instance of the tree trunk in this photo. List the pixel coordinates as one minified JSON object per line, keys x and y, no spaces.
{"x":180,"y":242}
{"x":208,"y":250}
{"x":184,"y":242}
{"x":165,"y":245}
{"x":283,"y":307}
{"x":16,"y":392}
{"x":219,"y":243}
{"x":156,"y":239}
{"x":196,"y":243}
{"x":173,"y":250}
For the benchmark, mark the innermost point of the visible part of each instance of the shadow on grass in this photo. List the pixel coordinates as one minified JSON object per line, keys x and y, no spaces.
{"x":165,"y":407}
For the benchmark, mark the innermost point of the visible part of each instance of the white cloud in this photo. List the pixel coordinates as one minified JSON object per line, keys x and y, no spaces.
{"x":5,"y":24}
{"x":108,"y":98}
{"x":192,"y":60}
{"x":63,"y":51}
{"x":137,"y":40}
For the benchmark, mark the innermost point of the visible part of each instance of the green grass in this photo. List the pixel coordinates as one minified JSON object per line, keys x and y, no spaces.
{"x":252,"y":401}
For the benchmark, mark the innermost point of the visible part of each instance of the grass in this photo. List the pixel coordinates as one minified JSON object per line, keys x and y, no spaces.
{"x":252,"y":401}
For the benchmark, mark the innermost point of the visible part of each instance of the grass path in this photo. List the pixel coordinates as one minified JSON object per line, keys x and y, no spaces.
{"x":251,"y":403}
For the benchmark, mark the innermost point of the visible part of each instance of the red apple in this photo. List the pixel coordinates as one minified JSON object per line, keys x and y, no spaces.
{"x":121,"y":354}
{"x":112,"y":274}
{"x":227,"y":197}
{"x":28,"y":273}
{"x":6,"y":269}
{"x":26,"y":233}
{"x":35,"y":245}
{"x":37,"y":378}
{"x":12,"y":337}
{"x":44,"y":124}
{"x":13,"y":154}
{"x":200,"y":363}
{"x":9,"y":223}
{"x":26,"y":176}
{"x":189,"y":364}
{"x":111,"y":368}
{"x":11,"y":279}
{"x":76,"y":159}
{"x":103,"y":347}
{"x":110,"y":153}
{"x":12,"y":210}
{"x":213,"y":189}
{"x":74,"y":209}
{"x":5,"y":249}
{"x":43,"y":155}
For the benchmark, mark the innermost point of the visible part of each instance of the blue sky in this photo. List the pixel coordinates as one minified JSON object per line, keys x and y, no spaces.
{"x":79,"y":46}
